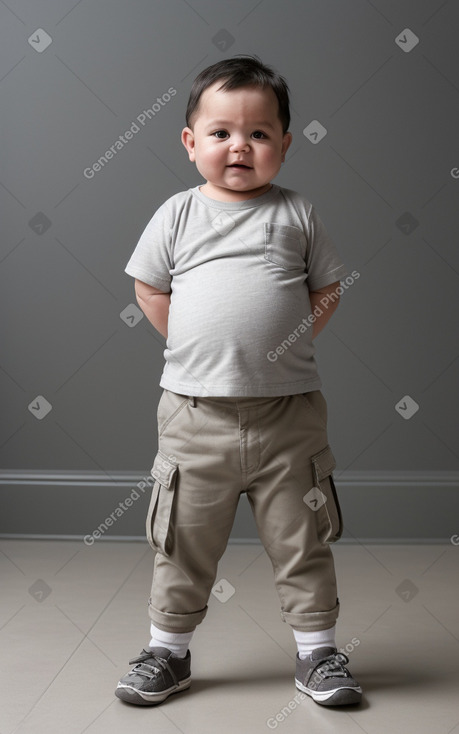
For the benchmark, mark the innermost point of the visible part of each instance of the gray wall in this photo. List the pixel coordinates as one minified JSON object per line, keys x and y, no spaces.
{"x":385,"y":179}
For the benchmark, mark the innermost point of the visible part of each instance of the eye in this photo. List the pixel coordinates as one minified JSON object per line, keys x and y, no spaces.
{"x":258,"y":135}
{"x":220,"y":134}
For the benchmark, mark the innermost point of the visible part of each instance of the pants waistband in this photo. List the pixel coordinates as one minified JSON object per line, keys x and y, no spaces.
{"x":237,"y":402}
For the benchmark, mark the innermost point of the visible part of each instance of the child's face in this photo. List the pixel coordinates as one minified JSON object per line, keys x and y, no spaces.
{"x":241,"y":125}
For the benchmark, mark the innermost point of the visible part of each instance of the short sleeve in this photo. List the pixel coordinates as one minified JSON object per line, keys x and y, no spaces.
{"x":323,"y":263}
{"x":151,"y":261}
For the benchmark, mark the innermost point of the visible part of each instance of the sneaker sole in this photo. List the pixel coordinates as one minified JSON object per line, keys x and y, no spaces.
{"x":143,"y":698}
{"x":335,"y":697}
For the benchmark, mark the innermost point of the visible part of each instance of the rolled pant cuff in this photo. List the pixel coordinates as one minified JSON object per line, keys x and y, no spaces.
{"x":170,"y":622}
{"x":312,"y":621}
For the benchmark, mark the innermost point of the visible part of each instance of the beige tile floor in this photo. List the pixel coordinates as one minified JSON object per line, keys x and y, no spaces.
{"x":71,"y":616}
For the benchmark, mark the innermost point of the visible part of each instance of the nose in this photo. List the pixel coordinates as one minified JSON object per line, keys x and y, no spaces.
{"x":238,"y":142}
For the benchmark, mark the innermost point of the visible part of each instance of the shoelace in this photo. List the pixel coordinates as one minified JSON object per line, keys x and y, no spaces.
{"x":150,"y":670}
{"x":333,"y":666}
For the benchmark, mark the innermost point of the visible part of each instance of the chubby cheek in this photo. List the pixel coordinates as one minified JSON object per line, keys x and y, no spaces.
{"x":215,"y":156}
{"x":267,"y":155}
{"x":205,"y":156}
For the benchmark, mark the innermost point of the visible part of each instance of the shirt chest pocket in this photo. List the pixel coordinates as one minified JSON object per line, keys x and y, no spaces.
{"x":285,"y":246}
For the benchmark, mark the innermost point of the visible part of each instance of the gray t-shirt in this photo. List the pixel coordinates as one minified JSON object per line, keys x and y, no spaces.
{"x":239,"y":273}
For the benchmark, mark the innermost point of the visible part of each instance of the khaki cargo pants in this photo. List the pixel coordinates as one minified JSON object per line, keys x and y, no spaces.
{"x":213,"y":449}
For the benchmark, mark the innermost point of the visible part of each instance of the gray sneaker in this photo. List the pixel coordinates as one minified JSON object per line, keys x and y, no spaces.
{"x":322,"y":676}
{"x":157,"y":674}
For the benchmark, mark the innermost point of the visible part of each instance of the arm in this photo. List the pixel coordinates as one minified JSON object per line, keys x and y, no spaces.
{"x":327,"y":300}
{"x":155,"y":305}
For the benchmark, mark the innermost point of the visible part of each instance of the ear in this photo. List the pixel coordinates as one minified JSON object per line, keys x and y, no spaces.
{"x":287,"y":139}
{"x":189,"y":143}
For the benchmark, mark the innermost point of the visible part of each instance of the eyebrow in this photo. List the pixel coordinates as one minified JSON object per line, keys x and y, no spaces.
{"x":216,"y":123}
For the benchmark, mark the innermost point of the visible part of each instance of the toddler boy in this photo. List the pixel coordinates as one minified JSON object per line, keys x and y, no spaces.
{"x":234,"y":274}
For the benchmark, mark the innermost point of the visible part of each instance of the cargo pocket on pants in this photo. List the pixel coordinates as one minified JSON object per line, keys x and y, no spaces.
{"x":330,"y":523}
{"x":159,"y":525}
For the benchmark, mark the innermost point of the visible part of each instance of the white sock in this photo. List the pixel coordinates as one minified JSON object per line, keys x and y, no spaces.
{"x":176,"y":642}
{"x":308,"y":641}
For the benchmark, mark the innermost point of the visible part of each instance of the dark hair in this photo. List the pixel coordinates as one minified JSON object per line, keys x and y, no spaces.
{"x":240,"y":71}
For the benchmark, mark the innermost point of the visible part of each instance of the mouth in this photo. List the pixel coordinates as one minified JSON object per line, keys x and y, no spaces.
{"x":241,"y":166}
